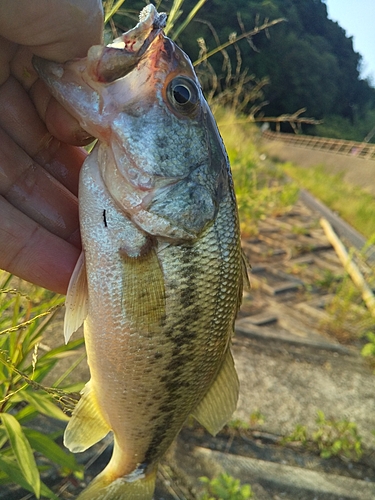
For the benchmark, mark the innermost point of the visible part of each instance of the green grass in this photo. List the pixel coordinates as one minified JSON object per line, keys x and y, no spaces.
{"x":26,"y":316}
{"x":225,"y":487}
{"x":332,"y":437}
{"x":261,"y":187}
{"x":352,"y":203}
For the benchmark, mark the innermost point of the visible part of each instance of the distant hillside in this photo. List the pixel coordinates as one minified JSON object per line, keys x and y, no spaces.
{"x":309,"y":60}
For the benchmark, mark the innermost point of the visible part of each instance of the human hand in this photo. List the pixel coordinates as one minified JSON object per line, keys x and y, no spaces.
{"x":39,"y":157}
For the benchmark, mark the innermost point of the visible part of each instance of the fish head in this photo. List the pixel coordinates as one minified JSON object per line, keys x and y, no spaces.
{"x":161,"y":156}
{"x":81,"y":84}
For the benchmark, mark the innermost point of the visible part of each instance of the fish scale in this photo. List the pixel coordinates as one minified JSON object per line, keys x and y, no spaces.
{"x":159,"y":282}
{"x":194,"y":307}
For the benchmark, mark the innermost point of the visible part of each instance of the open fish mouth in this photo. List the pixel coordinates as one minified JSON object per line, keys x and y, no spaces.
{"x":121,"y":56}
{"x":108,"y":63}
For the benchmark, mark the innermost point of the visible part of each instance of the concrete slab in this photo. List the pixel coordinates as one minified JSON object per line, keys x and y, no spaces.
{"x":288,"y":482}
{"x":289,"y":382}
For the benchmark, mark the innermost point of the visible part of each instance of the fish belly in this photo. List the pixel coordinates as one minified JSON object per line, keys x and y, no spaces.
{"x":159,"y":322}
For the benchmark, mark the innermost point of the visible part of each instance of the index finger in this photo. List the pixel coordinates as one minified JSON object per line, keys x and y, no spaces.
{"x":55,"y":29}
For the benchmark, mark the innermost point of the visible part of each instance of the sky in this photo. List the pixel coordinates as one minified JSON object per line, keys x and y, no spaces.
{"x":357,"y":18}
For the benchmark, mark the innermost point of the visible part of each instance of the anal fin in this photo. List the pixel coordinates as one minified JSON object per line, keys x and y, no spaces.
{"x":220,"y":402}
{"x":87,"y":425}
{"x":76,"y":303}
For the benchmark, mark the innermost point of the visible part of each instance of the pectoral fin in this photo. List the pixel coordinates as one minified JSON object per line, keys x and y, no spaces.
{"x":218,"y":405}
{"x":76,"y":303}
{"x":144,"y":305}
{"x":87,"y":425}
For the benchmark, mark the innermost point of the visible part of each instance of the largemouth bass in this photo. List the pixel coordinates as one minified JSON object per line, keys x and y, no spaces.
{"x":159,"y":282}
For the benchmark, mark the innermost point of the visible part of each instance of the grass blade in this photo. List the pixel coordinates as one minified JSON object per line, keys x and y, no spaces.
{"x":45,"y":445}
{"x":11,"y":469}
{"x":23,"y":325}
{"x":22,"y":451}
{"x":189,"y":17}
{"x":236,"y":39}
{"x":42,"y":403}
{"x":173,"y":15}
{"x":112,"y":10}
{"x":70,"y":369}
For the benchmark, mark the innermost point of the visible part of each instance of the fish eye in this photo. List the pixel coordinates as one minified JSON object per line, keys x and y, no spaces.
{"x":183,"y":95}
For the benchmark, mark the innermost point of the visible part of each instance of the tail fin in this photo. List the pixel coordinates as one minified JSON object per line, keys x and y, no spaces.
{"x":103,"y":487}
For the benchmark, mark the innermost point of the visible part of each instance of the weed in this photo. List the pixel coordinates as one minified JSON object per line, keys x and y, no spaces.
{"x":327,"y":280}
{"x":337,"y":437}
{"x":261,"y":189}
{"x":238,"y":425}
{"x":257,"y":418}
{"x":349,"y":318}
{"x":298,"y":268}
{"x":300,"y":230}
{"x":24,"y":318}
{"x":332,"y":438}
{"x":354,"y":204}
{"x":299,"y":435}
{"x":368,"y":350}
{"x":225,"y":487}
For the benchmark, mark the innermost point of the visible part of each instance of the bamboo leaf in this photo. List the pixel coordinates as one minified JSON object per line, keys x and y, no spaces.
{"x":22,"y":451}
{"x":26,"y":413}
{"x":11,"y":469}
{"x":3,"y":436}
{"x":43,"y":404}
{"x":45,"y":445}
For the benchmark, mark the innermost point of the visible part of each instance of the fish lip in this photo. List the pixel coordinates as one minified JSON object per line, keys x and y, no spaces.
{"x":107,"y":71}
{"x":105,"y":64}
{"x":47,"y":69}
{"x":119,"y":58}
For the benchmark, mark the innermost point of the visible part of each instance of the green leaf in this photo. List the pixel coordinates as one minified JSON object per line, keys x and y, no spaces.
{"x":26,"y":414}
{"x":45,"y":445}
{"x":188,"y":19}
{"x":325,"y":454}
{"x":77,"y":387}
{"x":22,"y":451}
{"x":71,"y":346}
{"x":368,"y":350}
{"x":3,"y":436}
{"x":11,"y":469}
{"x":43,"y":404}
